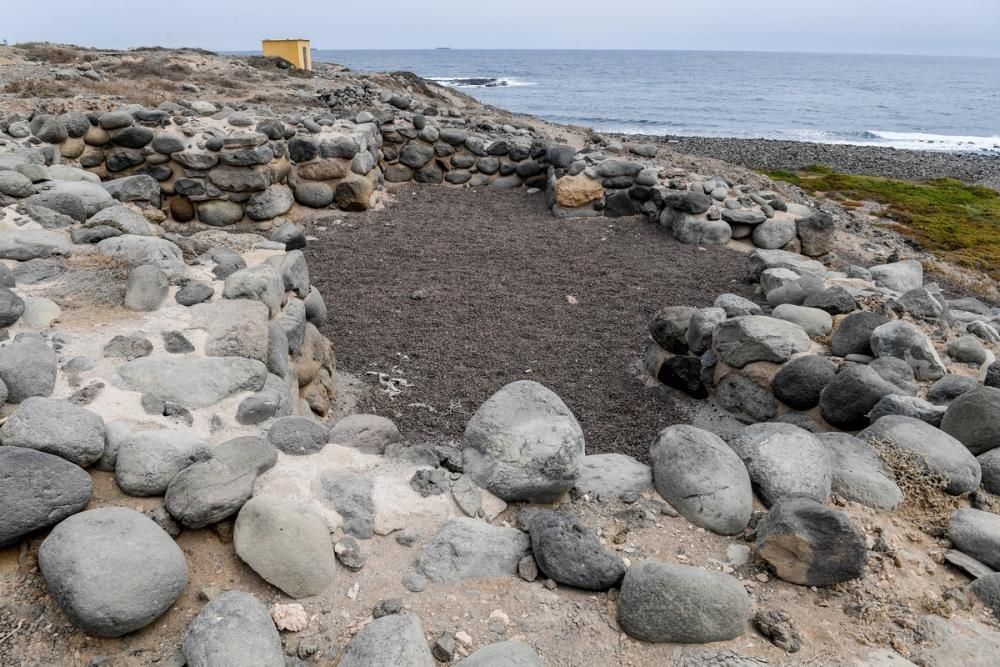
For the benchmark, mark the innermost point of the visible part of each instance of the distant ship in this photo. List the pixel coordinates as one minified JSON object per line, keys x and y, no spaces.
{"x":443,"y":48}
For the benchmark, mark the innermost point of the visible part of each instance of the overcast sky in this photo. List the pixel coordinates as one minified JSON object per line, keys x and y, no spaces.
{"x":946,"y":27}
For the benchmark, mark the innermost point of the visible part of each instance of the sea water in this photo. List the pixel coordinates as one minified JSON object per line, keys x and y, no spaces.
{"x":912,"y":102}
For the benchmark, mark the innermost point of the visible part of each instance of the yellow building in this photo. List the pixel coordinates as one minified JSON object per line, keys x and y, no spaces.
{"x":295,"y":51}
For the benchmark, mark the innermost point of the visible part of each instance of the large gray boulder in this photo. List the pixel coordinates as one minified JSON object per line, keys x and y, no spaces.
{"x":773,"y":234}
{"x":467,"y":548}
{"x":149,"y":461}
{"x":138,"y":188}
{"x":801,"y":381}
{"x":210,"y":491}
{"x":976,"y":533}
{"x":523,"y":443}
{"x":669,"y":328}
{"x":702,"y":478}
{"x":663,"y":602}
{"x":139,"y":250}
{"x":846,"y":402}
{"x":39,"y":490}
{"x":511,"y":653}
{"x":701,"y":327}
{"x":269,"y":204}
{"x":744,"y":340}
{"x":297,"y":435}
{"x":746,"y":397}
{"x":122,"y":218}
{"x":736,"y":306}
{"x":784,"y":461}
{"x":112,"y":570}
{"x":56,"y":427}
{"x":192,"y":382}
{"x":11,"y":307}
{"x":350,"y":494}
{"x":817,"y":233}
{"x":258,"y":283}
{"x":612,"y":475}
{"x":903,"y":340}
{"x":26,"y":244}
{"x":810,"y":544}
{"x":293,"y":270}
{"x":974,"y":419}
{"x":859,"y":473}
{"x":287,"y":544}
{"x":698,"y":231}
{"x":146,"y":288}
{"x":899,"y":276}
{"x":28,"y":368}
{"x":761,"y":260}
{"x":569,"y":553}
{"x":947,"y":389}
{"x":817,"y":323}
{"x":370,"y":433}
{"x":853,"y":334}
{"x":233,"y":630}
{"x":907,"y":406}
{"x":990,"y":464}
{"x":396,"y":639}
{"x":987,"y":589}
{"x":940,"y":453}
{"x":236,"y":328}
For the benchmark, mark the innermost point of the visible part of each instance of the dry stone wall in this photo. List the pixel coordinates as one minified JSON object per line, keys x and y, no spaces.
{"x":205,"y":167}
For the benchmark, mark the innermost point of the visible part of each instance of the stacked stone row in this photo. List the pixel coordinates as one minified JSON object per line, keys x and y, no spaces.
{"x":246,"y":170}
{"x":874,"y":350}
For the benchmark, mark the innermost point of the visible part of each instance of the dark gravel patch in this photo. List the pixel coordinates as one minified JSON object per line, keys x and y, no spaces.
{"x":497,"y":269}
{"x":770,"y":154}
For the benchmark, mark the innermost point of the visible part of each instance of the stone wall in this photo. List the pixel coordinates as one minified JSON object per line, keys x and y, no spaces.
{"x":203,"y":167}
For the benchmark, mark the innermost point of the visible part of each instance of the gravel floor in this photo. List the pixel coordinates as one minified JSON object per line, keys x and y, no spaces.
{"x":768,"y":154}
{"x":498,"y":270}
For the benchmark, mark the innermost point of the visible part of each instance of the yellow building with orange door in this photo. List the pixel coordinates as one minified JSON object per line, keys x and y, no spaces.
{"x":295,"y":51}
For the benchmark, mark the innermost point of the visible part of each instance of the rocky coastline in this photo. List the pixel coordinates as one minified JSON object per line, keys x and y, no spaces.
{"x":188,"y":478}
{"x":774,"y":155}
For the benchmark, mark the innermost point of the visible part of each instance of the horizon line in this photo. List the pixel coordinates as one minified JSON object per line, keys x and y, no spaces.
{"x":618,"y":49}
{"x":772,"y":51}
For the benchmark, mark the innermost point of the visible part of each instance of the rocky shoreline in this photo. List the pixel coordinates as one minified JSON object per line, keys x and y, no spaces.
{"x":186,"y":477}
{"x":771,"y":154}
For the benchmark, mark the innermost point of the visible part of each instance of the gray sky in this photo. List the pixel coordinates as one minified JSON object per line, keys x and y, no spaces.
{"x":945,"y":27}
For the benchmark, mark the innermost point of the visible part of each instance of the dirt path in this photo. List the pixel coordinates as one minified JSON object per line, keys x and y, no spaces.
{"x":499,"y":271}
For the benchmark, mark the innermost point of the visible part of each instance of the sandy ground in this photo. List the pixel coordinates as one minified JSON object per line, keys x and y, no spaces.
{"x":511,"y":294}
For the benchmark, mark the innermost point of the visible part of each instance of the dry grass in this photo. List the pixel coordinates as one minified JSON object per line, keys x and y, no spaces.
{"x":161,"y":67}
{"x":91,"y":280}
{"x":151,"y":94}
{"x":50,"y":53}
{"x":925,"y":502}
{"x":27,"y":88}
{"x":221,"y":81}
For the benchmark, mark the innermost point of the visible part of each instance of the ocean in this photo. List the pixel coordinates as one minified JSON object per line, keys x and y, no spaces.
{"x":909,"y":102}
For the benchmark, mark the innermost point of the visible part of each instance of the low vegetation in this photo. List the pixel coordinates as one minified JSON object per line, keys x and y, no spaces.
{"x":959,"y":222}
{"x":27,"y":88}
{"x":49,"y":53}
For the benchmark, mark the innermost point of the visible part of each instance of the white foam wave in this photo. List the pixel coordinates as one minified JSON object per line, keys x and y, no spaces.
{"x":480,"y":81}
{"x":920,"y":141}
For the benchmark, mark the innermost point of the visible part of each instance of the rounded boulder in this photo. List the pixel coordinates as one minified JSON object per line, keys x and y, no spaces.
{"x":974,"y":419}
{"x":112,"y":570}
{"x":702,"y":478}
{"x":663,"y":602}
{"x":524,"y":443}
{"x":39,"y":490}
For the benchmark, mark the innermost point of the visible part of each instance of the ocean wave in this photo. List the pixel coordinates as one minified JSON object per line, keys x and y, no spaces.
{"x":480,"y":82}
{"x":903,"y":140}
